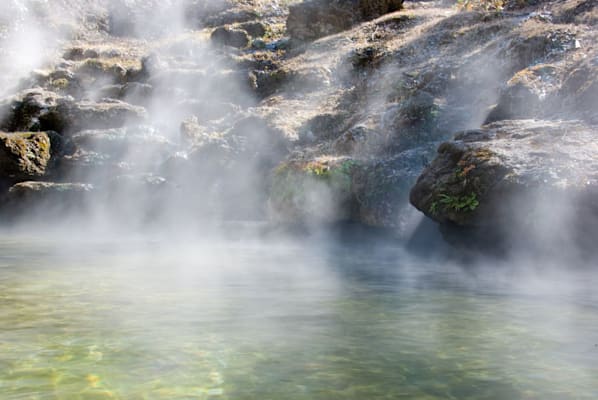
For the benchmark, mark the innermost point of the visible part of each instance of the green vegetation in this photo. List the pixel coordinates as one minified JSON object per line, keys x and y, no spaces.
{"x":456,"y":203}
{"x":293,"y":181}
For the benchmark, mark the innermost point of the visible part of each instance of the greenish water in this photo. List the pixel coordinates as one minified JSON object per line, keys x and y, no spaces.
{"x":256,"y":321}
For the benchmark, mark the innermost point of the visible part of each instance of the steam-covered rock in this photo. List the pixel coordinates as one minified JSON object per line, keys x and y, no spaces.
{"x":45,"y":200}
{"x":312,"y":191}
{"x":508,"y":178}
{"x":227,"y":36}
{"x":41,"y":110}
{"x":313,"y":19}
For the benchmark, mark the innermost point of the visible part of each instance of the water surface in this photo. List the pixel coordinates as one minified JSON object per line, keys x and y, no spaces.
{"x":250,"y":320}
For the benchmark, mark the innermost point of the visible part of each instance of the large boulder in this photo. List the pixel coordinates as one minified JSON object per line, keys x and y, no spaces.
{"x":313,"y":19}
{"x":24,"y":155}
{"x":515,"y":182}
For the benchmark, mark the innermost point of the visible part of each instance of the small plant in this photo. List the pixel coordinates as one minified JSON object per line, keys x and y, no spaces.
{"x":434,"y":208}
{"x":457,"y":203}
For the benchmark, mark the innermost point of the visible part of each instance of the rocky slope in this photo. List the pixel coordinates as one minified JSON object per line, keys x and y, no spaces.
{"x":309,"y":112}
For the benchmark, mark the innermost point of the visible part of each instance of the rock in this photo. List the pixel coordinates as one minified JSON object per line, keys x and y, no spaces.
{"x":24,"y":156}
{"x":219,"y":12}
{"x":356,"y":140}
{"x":266,"y":83}
{"x":506,"y":180}
{"x":226,"y":36}
{"x":259,"y":138}
{"x":579,"y":91}
{"x":150,"y":190}
{"x":312,"y":191}
{"x":411,"y":123}
{"x":54,"y":199}
{"x":313,"y":19}
{"x":93,"y":69}
{"x":527,"y":94}
{"x":105,"y":114}
{"x":372,"y":192}
{"x":135,"y":143}
{"x":258,"y":44}
{"x":255,"y":29}
{"x":41,"y":110}
{"x":381,"y":188}
{"x":325,"y":126}
{"x":34,"y":110}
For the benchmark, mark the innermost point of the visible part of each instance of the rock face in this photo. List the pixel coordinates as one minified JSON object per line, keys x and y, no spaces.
{"x":510,"y":179}
{"x":24,"y":155}
{"x":41,"y":110}
{"x":313,"y":19}
{"x":225,"y":36}
{"x":371,"y":192}
{"x":24,"y":198}
{"x":239,"y":112}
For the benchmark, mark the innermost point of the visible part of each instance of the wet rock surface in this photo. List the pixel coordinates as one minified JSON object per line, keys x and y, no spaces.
{"x":314,"y":19}
{"x":314,"y":112}
{"x":511,"y":177}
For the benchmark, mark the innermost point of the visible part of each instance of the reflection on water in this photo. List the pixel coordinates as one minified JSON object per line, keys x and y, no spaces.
{"x":258,"y":321}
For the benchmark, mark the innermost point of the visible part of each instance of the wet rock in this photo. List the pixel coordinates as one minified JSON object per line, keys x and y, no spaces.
{"x":219,"y":12}
{"x":34,"y":110}
{"x":150,"y":190}
{"x":325,"y":126}
{"x":227,"y":36}
{"x":411,"y":123}
{"x":358,"y":140}
{"x":313,"y":19}
{"x":381,"y":188}
{"x":255,"y":29}
{"x":312,"y":191}
{"x":508,"y":178}
{"x":24,"y":156}
{"x":267,"y":82}
{"x":104,"y":114}
{"x":528,"y":94}
{"x":40,"y":110}
{"x":55,"y":199}
{"x":138,"y":143}
{"x":92,"y":70}
{"x":579,"y":91}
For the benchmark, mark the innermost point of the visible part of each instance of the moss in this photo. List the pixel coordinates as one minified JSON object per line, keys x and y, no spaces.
{"x":60,"y":83}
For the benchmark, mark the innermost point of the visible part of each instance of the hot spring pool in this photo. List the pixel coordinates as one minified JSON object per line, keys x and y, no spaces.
{"x":260,"y":321}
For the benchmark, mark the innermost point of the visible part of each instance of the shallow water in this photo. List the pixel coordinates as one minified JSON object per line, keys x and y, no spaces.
{"x":242,"y":320}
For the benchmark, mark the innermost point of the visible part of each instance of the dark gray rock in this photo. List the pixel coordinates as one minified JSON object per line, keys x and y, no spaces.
{"x":40,"y":110}
{"x":310,"y":20}
{"x":503,"y":182}
{"x":227,"y":36}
